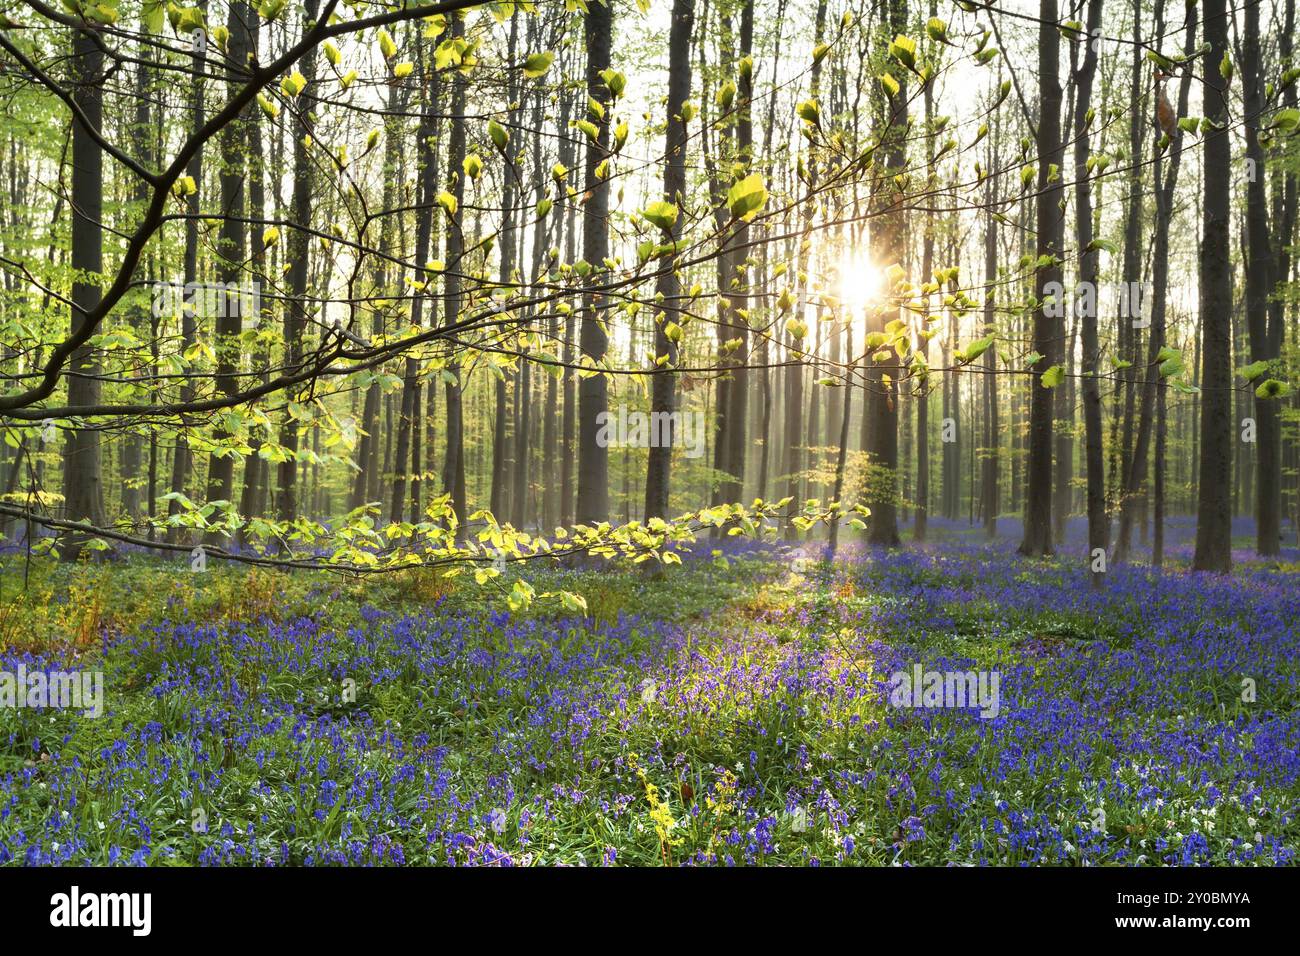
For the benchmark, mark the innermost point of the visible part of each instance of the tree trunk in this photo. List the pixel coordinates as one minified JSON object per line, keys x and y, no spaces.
{"x":229,"y":321}
{"x":181,"y":458}
{"x":295,"y":313}
{"x":1260,"y":283}
{"x":1133,"y":489}
{"x":794,"y":370}
{"x":83,"y":491}
{"x":990,"y":476}
{"x":252,"y":501}
{"x":668,"y":286}
{"x":1213,"y":510}
{"x":593,"y":456}
{"x":1089,"y":269}
{"x":1047,"y":330}
{"x":426,"y":162}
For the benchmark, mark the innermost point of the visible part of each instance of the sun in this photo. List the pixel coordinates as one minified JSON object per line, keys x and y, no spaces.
{"x":862,"y":283}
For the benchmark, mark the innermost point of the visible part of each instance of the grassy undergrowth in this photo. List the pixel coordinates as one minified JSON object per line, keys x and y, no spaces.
{"x":728,"y":712}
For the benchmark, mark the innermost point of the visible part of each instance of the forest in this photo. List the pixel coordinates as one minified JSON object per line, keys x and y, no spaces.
{"x":649,"y":433}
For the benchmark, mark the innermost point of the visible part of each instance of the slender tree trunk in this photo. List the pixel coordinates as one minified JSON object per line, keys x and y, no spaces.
{"x":296,"y":309}
{"x":593,"y":402}
{"x":569,"y":424}
{"x":1133,"y":489}
{"x":794,"y":371}
{"x":841,"y":455}
{"x":1213,"y":510}
{"x":252,"y":500}
{"x":1089,"y":270}
{"x":229,"y":321}
{"x":921,"y":524}
{"x":1047,"y":331}
{"x":181,"y":457}
{"x":83,"y":491}
{"x":989,"y":479}
{"x":426,"y":162}
{"x":453,"y":469}
{"x":501,"y":450}
{"x":738,"y":399}
{"x":1260,"y":283}
{"x":888,"y":238}
{"x":667,"y":286}
{"x":142,"y":134}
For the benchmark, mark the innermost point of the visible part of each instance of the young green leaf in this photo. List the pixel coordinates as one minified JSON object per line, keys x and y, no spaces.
{"x":538,"y":63}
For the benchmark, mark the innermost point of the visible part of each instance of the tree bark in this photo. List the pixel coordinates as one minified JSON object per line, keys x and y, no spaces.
{"x":663,"y":400}
{"x":1048,"y":331}
{"x":83,"y":491}
{"x":1213,"y":510}
{"x":593,"y":391}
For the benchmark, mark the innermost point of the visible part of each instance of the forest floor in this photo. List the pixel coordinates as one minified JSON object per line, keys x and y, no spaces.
{"x":739,"y":710}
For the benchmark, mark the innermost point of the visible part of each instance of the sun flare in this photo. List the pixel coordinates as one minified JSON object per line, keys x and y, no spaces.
{"x":861,"y":281}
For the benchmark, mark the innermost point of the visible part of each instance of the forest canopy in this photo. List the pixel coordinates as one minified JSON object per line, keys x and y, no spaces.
{"x":369,"y":285}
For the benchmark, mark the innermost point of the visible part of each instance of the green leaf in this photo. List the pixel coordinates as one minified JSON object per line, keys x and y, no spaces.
{"x":1054,"y":376}
{"x":1253,"y":371}
{"x":1272,"y":388}
{"x":615,"y":81}
{"x":662,"y":214}
{"x":521,"y":595}
{"x":973,"y":351}
{"x":293,"y":84}
{"x":574,"y":603}
{"x":1165,"y":64}
{"x":903,"y":49}
{"x":153,"y":15}
{"x":1286,"y":120}
{"x":747,"y":198}
{"x":538,"y":63}
{"x":725,"y":96}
